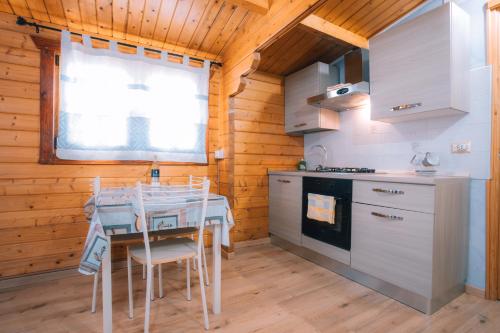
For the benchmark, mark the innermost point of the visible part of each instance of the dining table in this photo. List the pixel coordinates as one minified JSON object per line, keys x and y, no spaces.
{"x":112,"y":215}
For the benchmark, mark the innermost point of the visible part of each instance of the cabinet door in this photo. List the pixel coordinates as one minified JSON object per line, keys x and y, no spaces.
{"x":393,"y":245}
{"x":410,"y":67}
{"x":285,"y":207}
{"x":299,"y":86}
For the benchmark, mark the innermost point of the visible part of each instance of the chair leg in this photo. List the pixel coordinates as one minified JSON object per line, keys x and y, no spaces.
{"x":194,"y":258}
{"x":203,"y":297}
{"x":130,"y":291}
{"x":160,"y":281}
{"x":207,"y":281}
{"x":144,"y":272}
{"x":152,"y":283}
{"x":94,"y":291}
{"x":149,"y":290}
{"x":188,"y":279}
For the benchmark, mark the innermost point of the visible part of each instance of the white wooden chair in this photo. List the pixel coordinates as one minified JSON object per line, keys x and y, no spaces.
{"x":96,"y":191}
{"x":195,"y":183}
{"x":161,"y":198}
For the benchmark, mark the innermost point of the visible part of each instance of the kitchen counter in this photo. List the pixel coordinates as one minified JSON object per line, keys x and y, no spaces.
{"x":394,"y":177}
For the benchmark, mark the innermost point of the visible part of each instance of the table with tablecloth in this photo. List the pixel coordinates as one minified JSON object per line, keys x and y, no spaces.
{"x":114,"y":216}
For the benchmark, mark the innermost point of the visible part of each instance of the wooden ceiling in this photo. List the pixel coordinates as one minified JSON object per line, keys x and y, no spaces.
{"x":303,"y":46}
{"x":203,"y":26}
{"x":365,"y":17}
{"x":299,"y":48}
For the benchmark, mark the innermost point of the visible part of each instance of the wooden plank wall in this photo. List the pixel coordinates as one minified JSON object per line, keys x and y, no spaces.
{"x":41,"y":220}
{"x":260,"y":143}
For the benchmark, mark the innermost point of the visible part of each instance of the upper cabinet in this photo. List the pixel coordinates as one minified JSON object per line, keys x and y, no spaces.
{"x":420,"y":68}
{"x":301,"y":117}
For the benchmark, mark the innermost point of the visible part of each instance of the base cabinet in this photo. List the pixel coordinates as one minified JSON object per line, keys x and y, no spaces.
{"x":393,"y":245}
{"x":285,"y":207}
{"x":413,"y":236}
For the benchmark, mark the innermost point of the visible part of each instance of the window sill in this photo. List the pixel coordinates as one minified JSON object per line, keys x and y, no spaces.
{"x":54,"y":161}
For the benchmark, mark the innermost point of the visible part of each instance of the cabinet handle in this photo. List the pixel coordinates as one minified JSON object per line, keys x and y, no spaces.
{"x":405,"y":106}
{"x":284,"y":181}
{"x":383,"y":190}
{"x":300,"y":125}
{"x":389,"y":217}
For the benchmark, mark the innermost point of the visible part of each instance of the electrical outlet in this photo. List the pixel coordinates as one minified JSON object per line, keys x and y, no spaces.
{"x":461,"y":148}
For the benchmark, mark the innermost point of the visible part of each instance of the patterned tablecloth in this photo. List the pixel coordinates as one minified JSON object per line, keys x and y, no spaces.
{"x":117,"y":214}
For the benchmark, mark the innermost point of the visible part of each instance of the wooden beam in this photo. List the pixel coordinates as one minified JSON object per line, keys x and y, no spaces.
{"x":257,"y":6}
{"x":493,"y":184}
{"x":317,"y":23}
{"x":235,"y":79}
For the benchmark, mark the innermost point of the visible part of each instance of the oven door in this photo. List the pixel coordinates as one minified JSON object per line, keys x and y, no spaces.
{"x":338,"y":233}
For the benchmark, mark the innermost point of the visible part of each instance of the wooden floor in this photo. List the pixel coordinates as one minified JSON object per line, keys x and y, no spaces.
{"x":265,"y":289}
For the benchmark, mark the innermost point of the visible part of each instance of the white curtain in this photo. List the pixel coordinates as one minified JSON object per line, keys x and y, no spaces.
{"x":117,"y":106}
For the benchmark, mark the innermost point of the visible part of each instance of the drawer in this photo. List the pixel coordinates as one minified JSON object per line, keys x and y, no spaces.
{"x":393,"y":245}
{"x":419,"y":198}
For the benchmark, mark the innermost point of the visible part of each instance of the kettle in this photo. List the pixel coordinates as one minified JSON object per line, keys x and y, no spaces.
{"x":425,"y":162}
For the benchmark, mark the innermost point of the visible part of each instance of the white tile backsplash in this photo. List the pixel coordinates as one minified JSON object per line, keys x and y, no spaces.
{"x":361,"y":142}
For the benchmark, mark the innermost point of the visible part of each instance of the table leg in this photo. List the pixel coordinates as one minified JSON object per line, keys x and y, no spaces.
{"x":107,"y":300}
{"x":216,"y":252}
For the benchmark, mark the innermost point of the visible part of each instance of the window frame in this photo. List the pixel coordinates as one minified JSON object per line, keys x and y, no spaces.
{"x":49,"y":111}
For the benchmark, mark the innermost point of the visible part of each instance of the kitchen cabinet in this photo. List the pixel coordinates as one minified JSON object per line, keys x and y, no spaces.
{"x":393,"y":245}
{"x":412,"y":236}
{"x":301,"y":117}
{"x":420,"y":68}
{"x":285,"y":207}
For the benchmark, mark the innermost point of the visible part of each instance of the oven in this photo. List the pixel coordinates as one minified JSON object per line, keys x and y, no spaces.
{"x":339,"y":232}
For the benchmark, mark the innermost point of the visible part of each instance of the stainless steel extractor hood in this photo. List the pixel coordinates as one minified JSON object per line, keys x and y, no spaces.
{"x":355,"y":92}
{"x":345,"y":97}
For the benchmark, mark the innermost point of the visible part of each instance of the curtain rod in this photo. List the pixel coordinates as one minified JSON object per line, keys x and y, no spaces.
{"x":22,"y":21}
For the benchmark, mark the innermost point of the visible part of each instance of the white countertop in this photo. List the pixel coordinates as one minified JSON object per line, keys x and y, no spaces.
{"x":394,"y":177}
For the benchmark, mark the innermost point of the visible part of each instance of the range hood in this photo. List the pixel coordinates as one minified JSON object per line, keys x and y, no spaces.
{"x":347,"y":96}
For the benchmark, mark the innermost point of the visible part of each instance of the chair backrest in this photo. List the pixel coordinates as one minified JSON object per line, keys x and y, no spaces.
{"x":196,"y":181}
{"x":96,"y":185}
{"x":161,"y":198}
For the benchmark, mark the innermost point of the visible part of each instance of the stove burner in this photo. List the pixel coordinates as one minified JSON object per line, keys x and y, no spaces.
{"x":344,"y":170}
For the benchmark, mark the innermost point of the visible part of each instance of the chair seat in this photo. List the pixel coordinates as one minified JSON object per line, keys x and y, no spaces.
{"x":164,"y":251}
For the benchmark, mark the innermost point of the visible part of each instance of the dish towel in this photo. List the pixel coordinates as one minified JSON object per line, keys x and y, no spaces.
{"x":321,"y":208}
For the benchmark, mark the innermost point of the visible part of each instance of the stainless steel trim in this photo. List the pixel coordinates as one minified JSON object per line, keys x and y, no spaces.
{"x":300,"y":125}
{"x":383,"y":190}
{"x":405,"y":106}
{"x":283,"y":181}
{"x":389,"y":217}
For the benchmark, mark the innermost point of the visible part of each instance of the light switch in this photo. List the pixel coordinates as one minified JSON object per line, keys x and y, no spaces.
{"x":219,"y":154}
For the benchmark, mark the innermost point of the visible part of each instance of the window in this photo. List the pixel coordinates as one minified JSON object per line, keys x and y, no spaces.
{"x":114,"y":106}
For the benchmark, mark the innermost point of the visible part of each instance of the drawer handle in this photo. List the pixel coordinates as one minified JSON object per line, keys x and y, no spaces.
{"x":389,"y":217}
{"x":300,"y":125}
{"x":405,"y":106}
{"x":383,"y":190}
{"x":284,"y":181}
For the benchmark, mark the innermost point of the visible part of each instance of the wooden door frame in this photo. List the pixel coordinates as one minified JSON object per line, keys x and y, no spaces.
{"x":493,"y":184}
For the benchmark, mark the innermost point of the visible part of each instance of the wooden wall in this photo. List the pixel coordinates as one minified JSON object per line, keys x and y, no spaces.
{"x":41,"y":220}
{"x":260,"y":143}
